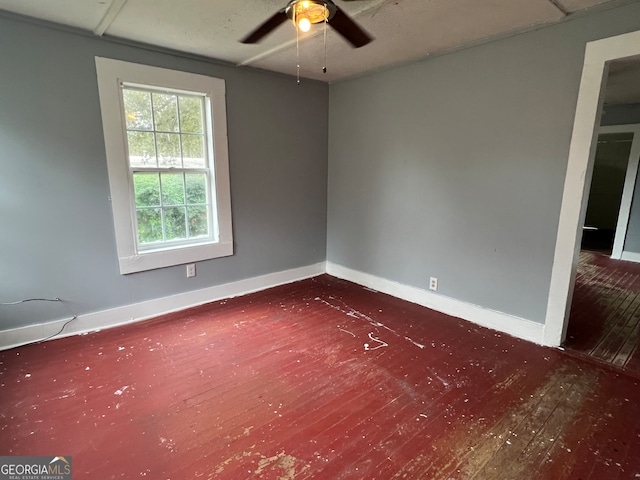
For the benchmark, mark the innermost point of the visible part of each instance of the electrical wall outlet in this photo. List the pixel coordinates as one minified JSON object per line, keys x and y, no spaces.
{"x":191,"y":270}
{"x":433,"y":283}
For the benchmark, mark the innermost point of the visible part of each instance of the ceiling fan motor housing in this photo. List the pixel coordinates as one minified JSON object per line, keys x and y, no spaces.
{"x":316,"y":11}
{"x":304,"y":13}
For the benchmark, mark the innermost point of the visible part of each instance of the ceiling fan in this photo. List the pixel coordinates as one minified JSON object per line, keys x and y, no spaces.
{"x":304,"y":13}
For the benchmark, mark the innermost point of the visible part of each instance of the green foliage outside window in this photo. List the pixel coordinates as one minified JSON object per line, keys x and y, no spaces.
{"x":180,"y":197}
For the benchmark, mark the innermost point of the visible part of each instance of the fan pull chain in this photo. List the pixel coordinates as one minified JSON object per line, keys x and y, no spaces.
{"x":324,"y":68}
{"x":298,"y":55}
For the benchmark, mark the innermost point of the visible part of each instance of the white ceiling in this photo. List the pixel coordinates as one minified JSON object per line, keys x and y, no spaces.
{"x":404,"y":30}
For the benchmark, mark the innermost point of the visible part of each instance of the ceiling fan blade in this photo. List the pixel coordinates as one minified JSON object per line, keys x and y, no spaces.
{"x":266,"y":28}
{"x":349,"y":29}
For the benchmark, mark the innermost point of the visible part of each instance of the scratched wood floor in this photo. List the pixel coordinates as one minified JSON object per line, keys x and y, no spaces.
{"x":604,"y":322}
{"x":320,"y":379}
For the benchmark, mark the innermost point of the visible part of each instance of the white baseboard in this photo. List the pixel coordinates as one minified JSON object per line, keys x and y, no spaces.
{"x":90,"y":322}
{"x":630,"y":257}
{"x":512,"y":325}
{"x":114,"y":317}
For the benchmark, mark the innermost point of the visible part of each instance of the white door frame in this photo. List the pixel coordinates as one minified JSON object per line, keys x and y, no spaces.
{"x":578,"y":177}
{"x":629,"y":185}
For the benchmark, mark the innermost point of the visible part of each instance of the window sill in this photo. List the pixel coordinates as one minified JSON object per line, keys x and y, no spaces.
{"x":179,"y":256}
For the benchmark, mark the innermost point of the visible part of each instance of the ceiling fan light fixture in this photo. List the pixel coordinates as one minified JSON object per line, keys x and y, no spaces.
{"x":315,"y":11}
{"x":305,"y":13}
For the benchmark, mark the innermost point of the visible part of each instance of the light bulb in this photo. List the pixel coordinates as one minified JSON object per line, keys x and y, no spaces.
{"x":304,"y":24}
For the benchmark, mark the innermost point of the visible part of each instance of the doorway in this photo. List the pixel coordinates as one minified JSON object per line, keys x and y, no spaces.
{"x":604,"y":320}
{"x":598,"y":57}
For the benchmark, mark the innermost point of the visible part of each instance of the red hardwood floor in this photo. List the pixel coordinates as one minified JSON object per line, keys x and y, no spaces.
{"x":604,"y":322}
{"x":320,"y":379}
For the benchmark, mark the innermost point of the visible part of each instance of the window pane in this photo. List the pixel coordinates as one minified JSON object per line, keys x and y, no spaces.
{"x":147,"y":189}
{"x":175,"y":225}
{"x":196,"y":188}
{"x":149,"y":225}
{"x":193,"y":151}
{"x":172,"y":188}
{"x":142,"y":151}
{"x":168,"y":149}
{"x":137,"y":107}
{"x":165,"y":112}
{"x":198,"y":225}
{"x":191,"y":114}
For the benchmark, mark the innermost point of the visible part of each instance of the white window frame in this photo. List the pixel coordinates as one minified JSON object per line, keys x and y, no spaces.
{"x":111,"y":75}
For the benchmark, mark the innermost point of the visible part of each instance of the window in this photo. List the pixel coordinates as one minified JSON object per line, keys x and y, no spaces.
{"x":166,"y":144}
{"x":168,"y":163}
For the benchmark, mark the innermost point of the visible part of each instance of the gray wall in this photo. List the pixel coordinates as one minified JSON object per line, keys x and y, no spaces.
{"x":454,"y":167}
{"x":57,"y":237}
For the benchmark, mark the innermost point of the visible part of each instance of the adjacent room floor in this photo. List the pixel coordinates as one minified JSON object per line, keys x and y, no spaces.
{"x":604,"y":323}
{"x":318,"y":379}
